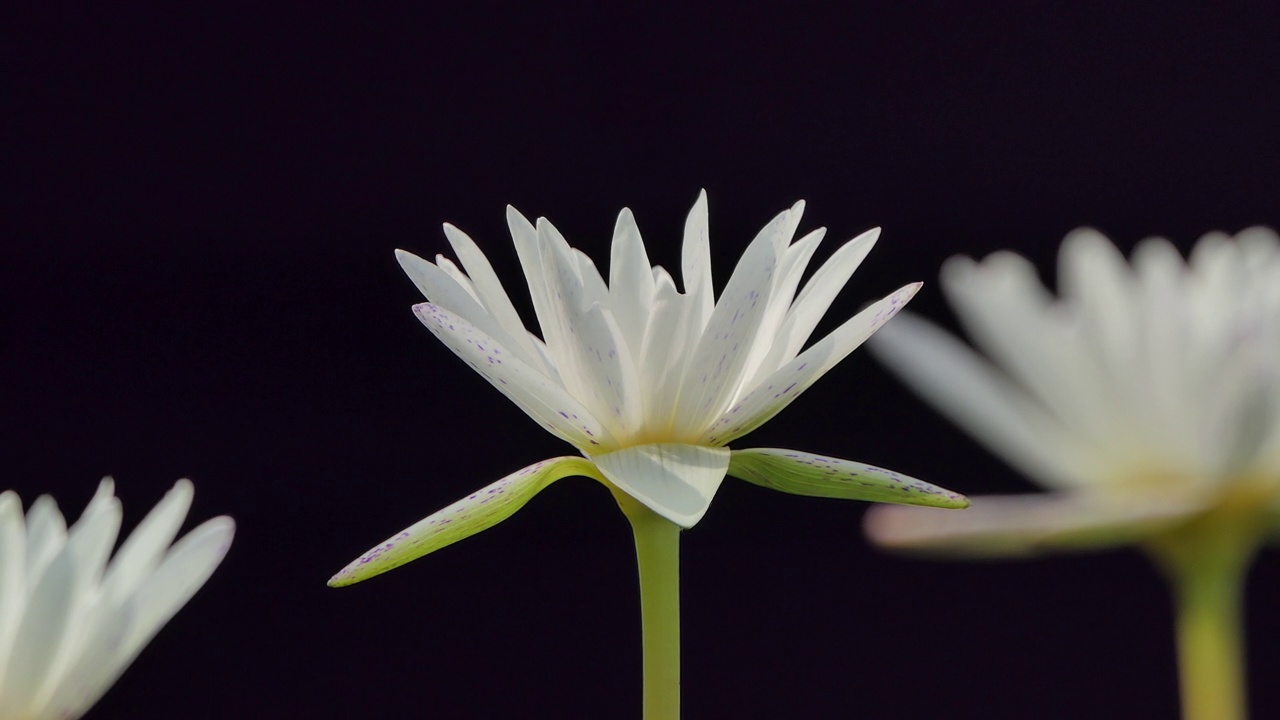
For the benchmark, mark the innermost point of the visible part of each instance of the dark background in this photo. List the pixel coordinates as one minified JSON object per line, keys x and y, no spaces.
{"x":197,"y":279}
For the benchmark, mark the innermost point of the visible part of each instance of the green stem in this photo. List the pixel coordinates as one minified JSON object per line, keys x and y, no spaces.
{"x":1207,"y":572}
{"x":658,"y":556}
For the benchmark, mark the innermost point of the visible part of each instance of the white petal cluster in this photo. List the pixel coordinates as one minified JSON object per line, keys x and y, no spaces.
{"x":1155,"y":371}
{"x":635,"y":360}
{"x":70,"y":622}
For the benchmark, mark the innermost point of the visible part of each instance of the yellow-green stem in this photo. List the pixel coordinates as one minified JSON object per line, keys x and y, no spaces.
{"x":1206,"y":568}
{"x":658,"y":556}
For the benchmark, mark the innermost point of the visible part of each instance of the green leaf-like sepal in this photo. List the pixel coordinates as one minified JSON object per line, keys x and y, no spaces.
{"x":801,"y":473}
{"x":478,"y":511}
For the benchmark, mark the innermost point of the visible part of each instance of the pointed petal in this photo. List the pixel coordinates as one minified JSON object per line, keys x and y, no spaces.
{"x":818,"y":294}
{"x":669,"y":335}
{"x":46,"y":534}
{"x":794,"y":262}
{"x":146,"y":545}
{"x":184,"y":570}
{"x":533,"y":392}
{"x":478,"y":511}
{"x":489,"y":288}
{"x":631,"y":284}
{"x":13,"y":582}
{"x":1024,"y":525}
{"x":676,"y":481}
{"x":594,"y":362}
{"x":444,"y":291}
{"x":714,"y":370}
{"x":802,"y":473}
{"x":695,"y":262}
{"x":979,"y":399}
{"x":777,"y":390}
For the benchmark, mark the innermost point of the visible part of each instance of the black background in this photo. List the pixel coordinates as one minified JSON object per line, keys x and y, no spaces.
{"x":197,"y":280}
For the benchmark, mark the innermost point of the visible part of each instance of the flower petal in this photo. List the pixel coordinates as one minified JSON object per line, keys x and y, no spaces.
{"x":1024,"y":525}
{"x":695,"y":262}
{"x":185,"y":569}
{"x":533,"y":392}
{"x":445,"y":291}
{"x":13,"y":582}
{"x":478,"y":511}
{"x":674,"y":480}
{"x":41,"y":634}
{"x":594,"y":361}
{"x":146,"y":545}
{"x":976,"y":397}
{"x":776,"y":391}
{"x":714,"y":369}
{"x":631,"y":284}
{"x":818,"y":294}
{"x":802,"y":473}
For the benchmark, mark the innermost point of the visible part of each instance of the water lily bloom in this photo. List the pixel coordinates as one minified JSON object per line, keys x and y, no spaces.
{"x":1146,"y":398}
{"x":649,"y":383}
{"x":70,"y":622}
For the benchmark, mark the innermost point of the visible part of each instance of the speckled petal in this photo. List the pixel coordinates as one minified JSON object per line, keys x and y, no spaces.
{"x":1022,"y":525}
{"x":777,"y":390}
{"x":674,"y":480}
{"x":714,"y":369}
{"x":695,"y":263}
{"x":478,"y":511}
{"x":543,"y":400}
{"x":802,"y":473}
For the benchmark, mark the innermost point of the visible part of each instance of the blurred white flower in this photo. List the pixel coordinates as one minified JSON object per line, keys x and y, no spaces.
{"x":648,"y":382}
{"x":70,"y":622}
{"x":1145,"y":396}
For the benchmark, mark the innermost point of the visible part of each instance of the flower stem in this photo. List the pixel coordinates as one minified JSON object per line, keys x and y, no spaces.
{"x":1207,"y":571}
{"x":658,"y":556}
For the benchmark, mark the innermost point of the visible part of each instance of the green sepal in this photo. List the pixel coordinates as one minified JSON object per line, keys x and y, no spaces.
{"x":478,"y":511}
{"x":801,"y":473}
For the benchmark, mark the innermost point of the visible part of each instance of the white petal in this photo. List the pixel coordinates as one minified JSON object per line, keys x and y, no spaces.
{"x":94,"y":534}
{"x":185,"y":568}
{"x":821,"y":290}
{"x":714,"y":371}
{"x":42,"y":631}
{"x":13,"y":582}
{"x":46,"y":534}
{"x":146,"y":545}
{"x":773,"y":393}
{"x":669,"y":336}
{"x":488,"y":287}
{"x":478,"y":511}
{"x":695,"y":262}
{"x":525,"y":238}
{"x":458,"y":276}
{"x":594,"y":362}
{"x":1010,"y":315}
{"x":794,"y":262}
{"x":631,"y":284}
{"x":676,"y":481}
{"x":1017,"y":525}
{"x":533,"y":392}
{"x":445,"y":292}
{"x":976,"y":397}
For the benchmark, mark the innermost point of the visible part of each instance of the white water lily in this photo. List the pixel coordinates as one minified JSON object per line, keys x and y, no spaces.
{"x":1146,"y":398}
{"x":70,"y":622}
{"x":649,"y":383}
{"x":1147,"y":394}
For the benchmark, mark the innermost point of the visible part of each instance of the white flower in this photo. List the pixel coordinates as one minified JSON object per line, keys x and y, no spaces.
{"x":649,"y":383}
{"x":1146,"y":396}
{"x":70,"y":623}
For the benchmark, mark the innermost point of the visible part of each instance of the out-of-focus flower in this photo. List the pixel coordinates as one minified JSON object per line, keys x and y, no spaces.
{"x":1145,"y":397}
{"x":650,"y":383}
{"x":70,"y":622}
